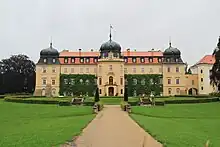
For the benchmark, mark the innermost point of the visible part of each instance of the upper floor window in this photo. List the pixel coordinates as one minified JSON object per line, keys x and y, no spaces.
{"x":53,"y":82}
{"x":54,"y":60}
{"x":121,"y":80}
{"x":81,"y":60}
{"x":100,"y":81}
{"x":142,"y":70}
{"x":87,"y":70}
{"x":65,"y":60}
{"x":177,"y":69}
{"x":44,"y":81}
{"x":72,"y":70}
{"x":150,"y":59}
{"x":201,"y":71}
{"x":44,"y":70}
{"x":192,"y":82}
{"x":126,"y":60}
{"x":53,"y":70}
{"x":110,"y":80}
{"x":151,"y":70}
{"x":134,"y":60}
{"x":87,"y":60}
{"x":134,"y":70}
{"x":169,"y":81}
{"x":201,"y":79}
{"x":65,"y":70}
{"x":168,"y":69}
{"x":159,"y":60}
{"x":177,"y":60}
{"x":73,"y":60}
{"x":110,"y":67}
{"x":201,"y":88}
{"x":95,"y":60}
{"x":45,"y":60}
{"x":177,"y":81}
{"x":126,"y":70}
{"x":142,"y":60}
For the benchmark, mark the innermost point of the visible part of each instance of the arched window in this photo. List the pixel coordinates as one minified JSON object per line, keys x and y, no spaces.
{"x":143,"y":82}
{"x":110,"y":80}
{"x":169,"y":91}
{"x":134,"y":81}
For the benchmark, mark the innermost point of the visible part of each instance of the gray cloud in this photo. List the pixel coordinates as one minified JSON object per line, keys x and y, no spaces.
{"x":26,"y":26}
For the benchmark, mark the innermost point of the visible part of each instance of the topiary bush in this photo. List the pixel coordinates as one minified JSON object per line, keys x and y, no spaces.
{"x":97,"y":95}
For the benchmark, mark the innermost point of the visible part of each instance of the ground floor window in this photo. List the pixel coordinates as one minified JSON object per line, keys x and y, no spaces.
{"x":121,"y":91}
{"x":100,"y":91}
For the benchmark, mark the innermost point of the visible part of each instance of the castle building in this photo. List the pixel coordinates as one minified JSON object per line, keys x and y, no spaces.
{"x":79,"y":72}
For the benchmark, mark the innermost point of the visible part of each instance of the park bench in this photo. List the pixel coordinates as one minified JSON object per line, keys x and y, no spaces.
{"x":146,"y":101}
{"x":77,"y":101}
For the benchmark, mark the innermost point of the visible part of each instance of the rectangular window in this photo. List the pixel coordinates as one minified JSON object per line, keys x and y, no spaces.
{"x":100,"y":91}
{"x":44,"y":81}
{"x":94,"y":60}
{"x":126,"y":70}
{"x":201,"y":79}
{"x":126,"y":60}
{"x":192,"y":82}
{"x":151,"y":70}
{"x":65,"y":70}
{"x":44,"y":70}
{"x":53,"y":70}
{"x":159,"y":60}
{"x":65,"y":60}
{"x":72,"y":70}
{"x":169,"y":81}
{"x":110,"y":67}
{"x":142,"y":60}
{"x":53,"y":82}
{"x":150,"y":60}
{"x":121,"y":91}
{"x":81,"y":70}
{"x":100,"y":81}
{"x":134,"y":70}
{"x":177,"y":69}
{"x":121,"y":81}
{"x":142,"y":70}
{"x":168,"y":69}
{"x":87,"y":70}
{"x":177,"y":81}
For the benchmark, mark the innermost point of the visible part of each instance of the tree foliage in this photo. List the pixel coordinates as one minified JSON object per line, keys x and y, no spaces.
{"x":17,"y":74}
{"x":126,"y":94}
{"x":97,"y":95}
{"x":215,"y":71}
{"x":144,"y":84}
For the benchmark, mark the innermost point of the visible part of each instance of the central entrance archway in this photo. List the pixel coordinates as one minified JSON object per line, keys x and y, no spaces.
{"x":111,"y":91}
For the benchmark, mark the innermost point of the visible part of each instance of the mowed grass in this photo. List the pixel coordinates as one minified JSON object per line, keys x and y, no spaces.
{"x":182,"y":125}
{"x":25,"y":125}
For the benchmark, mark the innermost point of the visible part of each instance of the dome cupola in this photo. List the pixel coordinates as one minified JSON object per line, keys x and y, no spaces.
{"x":49,"y":52}
{"x":171,"y":51}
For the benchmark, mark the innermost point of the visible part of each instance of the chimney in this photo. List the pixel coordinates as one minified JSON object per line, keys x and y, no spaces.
{"x":65,"y":50}
{"x":80,"y":51}
{"x":128,"y":52}
{"x":91,"y":50}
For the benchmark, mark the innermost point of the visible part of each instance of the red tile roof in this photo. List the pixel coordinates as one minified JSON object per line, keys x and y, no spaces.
{"x":207,"y":59}
{"x":128,"y":54}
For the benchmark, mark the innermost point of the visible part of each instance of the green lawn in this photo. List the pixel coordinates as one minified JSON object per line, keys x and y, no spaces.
{"x":182,"y":125}
{"x":24,"y":125}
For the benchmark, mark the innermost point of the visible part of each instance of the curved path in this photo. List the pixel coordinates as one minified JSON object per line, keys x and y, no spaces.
{"x":114,"y":128}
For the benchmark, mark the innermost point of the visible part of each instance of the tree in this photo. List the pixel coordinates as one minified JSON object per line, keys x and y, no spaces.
{"x":215,"y":71}
{"x":97,"y":95}
{"x":126,"y":94}
{"x":18,"y":74}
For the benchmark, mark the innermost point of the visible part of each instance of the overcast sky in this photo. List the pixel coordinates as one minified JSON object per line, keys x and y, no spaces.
{"x":27,"y":25}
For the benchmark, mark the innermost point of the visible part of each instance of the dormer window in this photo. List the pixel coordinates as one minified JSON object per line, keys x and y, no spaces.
{"x":54,"y":60}
{"x":87,"y":60}
{"x":150,"y":59}
{"x":95,"y":60}
{"x":126,"y":60}
{"x":72,"y":60}
{"x":134,"y":60}
{"x":45,"y":60}
{"x":159,"y":60}
{"x":65,"y":60}
{"x":81,"y":60}
{"x":142,"y":60}
{"x":168,"y":59}
{"x":177,"y":60}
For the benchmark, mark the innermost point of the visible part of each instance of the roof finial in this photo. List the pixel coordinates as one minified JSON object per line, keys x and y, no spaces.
{"x":110,"y":36}
{"x":51,"y":42}
{"x":170,"y":41}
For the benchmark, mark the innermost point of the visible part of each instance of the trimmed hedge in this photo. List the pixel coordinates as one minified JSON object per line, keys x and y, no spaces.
{"x":196,"y":96}
{"x":31,"y":101}
{"x":203,"y":100}
{"x":111,"y":97}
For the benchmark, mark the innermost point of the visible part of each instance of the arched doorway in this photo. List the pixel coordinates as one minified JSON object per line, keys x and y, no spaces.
{"x":111,"y":91}
{"x":110,"y":80}
{"x":193,"y":91}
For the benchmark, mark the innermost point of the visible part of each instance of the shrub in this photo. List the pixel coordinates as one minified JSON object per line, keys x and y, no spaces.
{"x":185,"y":101}
{"x":124,"y":104}
{"x":100,"y":105}
{"x":64,"y":103}
{"x":97,"y":95}
{"x":32,"y":101}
